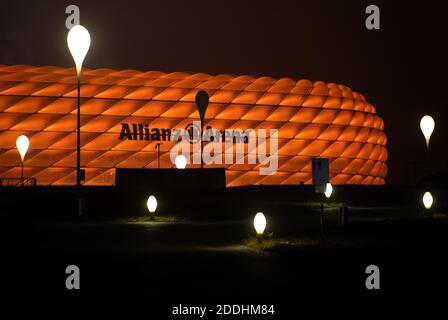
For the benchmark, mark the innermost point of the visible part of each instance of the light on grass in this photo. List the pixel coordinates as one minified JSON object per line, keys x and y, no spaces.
{"x":181,"y":162}
{"x":78,"y":41}
{"x":328,"y":190}
{"x":260,"y":223}
{"x":152,"y":204}
{"x":428,"y":200}
{"x":427,"y":125}
{"x":22,"y":143}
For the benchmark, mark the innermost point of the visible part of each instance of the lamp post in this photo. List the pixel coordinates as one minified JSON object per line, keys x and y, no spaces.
{"x":427,"y":125}
{"x":158,"y":154}
{"x":78,"y":41}
{"x":202,"y":100}
{"x":22,"y":144}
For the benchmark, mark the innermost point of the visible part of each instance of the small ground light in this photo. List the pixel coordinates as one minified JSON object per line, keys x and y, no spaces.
{"x":427,"y":200}
{"x":328,"y":190}
{"x":152,"y":205}
{"x":181,"y":162}
{"x":259,"y":223}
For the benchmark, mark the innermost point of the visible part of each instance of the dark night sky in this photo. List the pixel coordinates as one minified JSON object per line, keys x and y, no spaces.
{"x":398,"y":68}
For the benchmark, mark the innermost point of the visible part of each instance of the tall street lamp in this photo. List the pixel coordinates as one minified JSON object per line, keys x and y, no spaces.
{"x":427,"y":125}
{"x":78,"y":40}
{"x":22,"y":143}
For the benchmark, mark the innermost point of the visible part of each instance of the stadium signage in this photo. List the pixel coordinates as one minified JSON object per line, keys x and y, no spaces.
{"x":142,"y":132}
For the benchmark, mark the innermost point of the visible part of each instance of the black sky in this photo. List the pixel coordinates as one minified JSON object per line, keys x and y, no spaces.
{"x":400,"y":68}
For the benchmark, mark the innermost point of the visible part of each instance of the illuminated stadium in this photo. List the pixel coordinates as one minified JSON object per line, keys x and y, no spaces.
{"x":314,"y":119}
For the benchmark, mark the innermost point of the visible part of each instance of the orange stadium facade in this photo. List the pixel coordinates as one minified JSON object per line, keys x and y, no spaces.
{"x":314,"y":119}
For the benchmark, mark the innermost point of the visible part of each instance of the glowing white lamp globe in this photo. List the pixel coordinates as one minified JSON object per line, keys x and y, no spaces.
{"x":78,"y":41}
{"x":151,"y":204}
{"x":427,"y":125}
{"x":181,"y":162}
{"x":328,"y":190}
{"x":22,"y":143}
{"x":259,"y":223}
{"x":427,"y":200}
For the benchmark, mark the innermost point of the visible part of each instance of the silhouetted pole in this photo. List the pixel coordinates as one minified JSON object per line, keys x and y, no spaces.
{"x":322,"y":217}
{"x":202,"y":145}
{"x":158,"y":154}
{"x":78,"y":135}
{"x":202,"y":100}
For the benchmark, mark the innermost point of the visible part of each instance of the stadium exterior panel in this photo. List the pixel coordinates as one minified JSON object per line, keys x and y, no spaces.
{"x":126,"y":114}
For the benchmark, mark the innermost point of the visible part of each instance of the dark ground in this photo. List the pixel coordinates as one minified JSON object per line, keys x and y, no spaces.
{"x":207,"y":263}
{"x":198,"y":261}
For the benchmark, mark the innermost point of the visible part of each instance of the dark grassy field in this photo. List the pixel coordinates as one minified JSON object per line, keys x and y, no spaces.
{"x":190,"y":259}
{"x":209,"y":262}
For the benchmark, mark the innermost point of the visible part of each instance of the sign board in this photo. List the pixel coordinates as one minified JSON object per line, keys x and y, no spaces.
{"x":321,"y":174}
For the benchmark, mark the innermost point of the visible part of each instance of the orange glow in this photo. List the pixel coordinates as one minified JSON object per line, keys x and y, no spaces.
{"x":314,"y":119}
